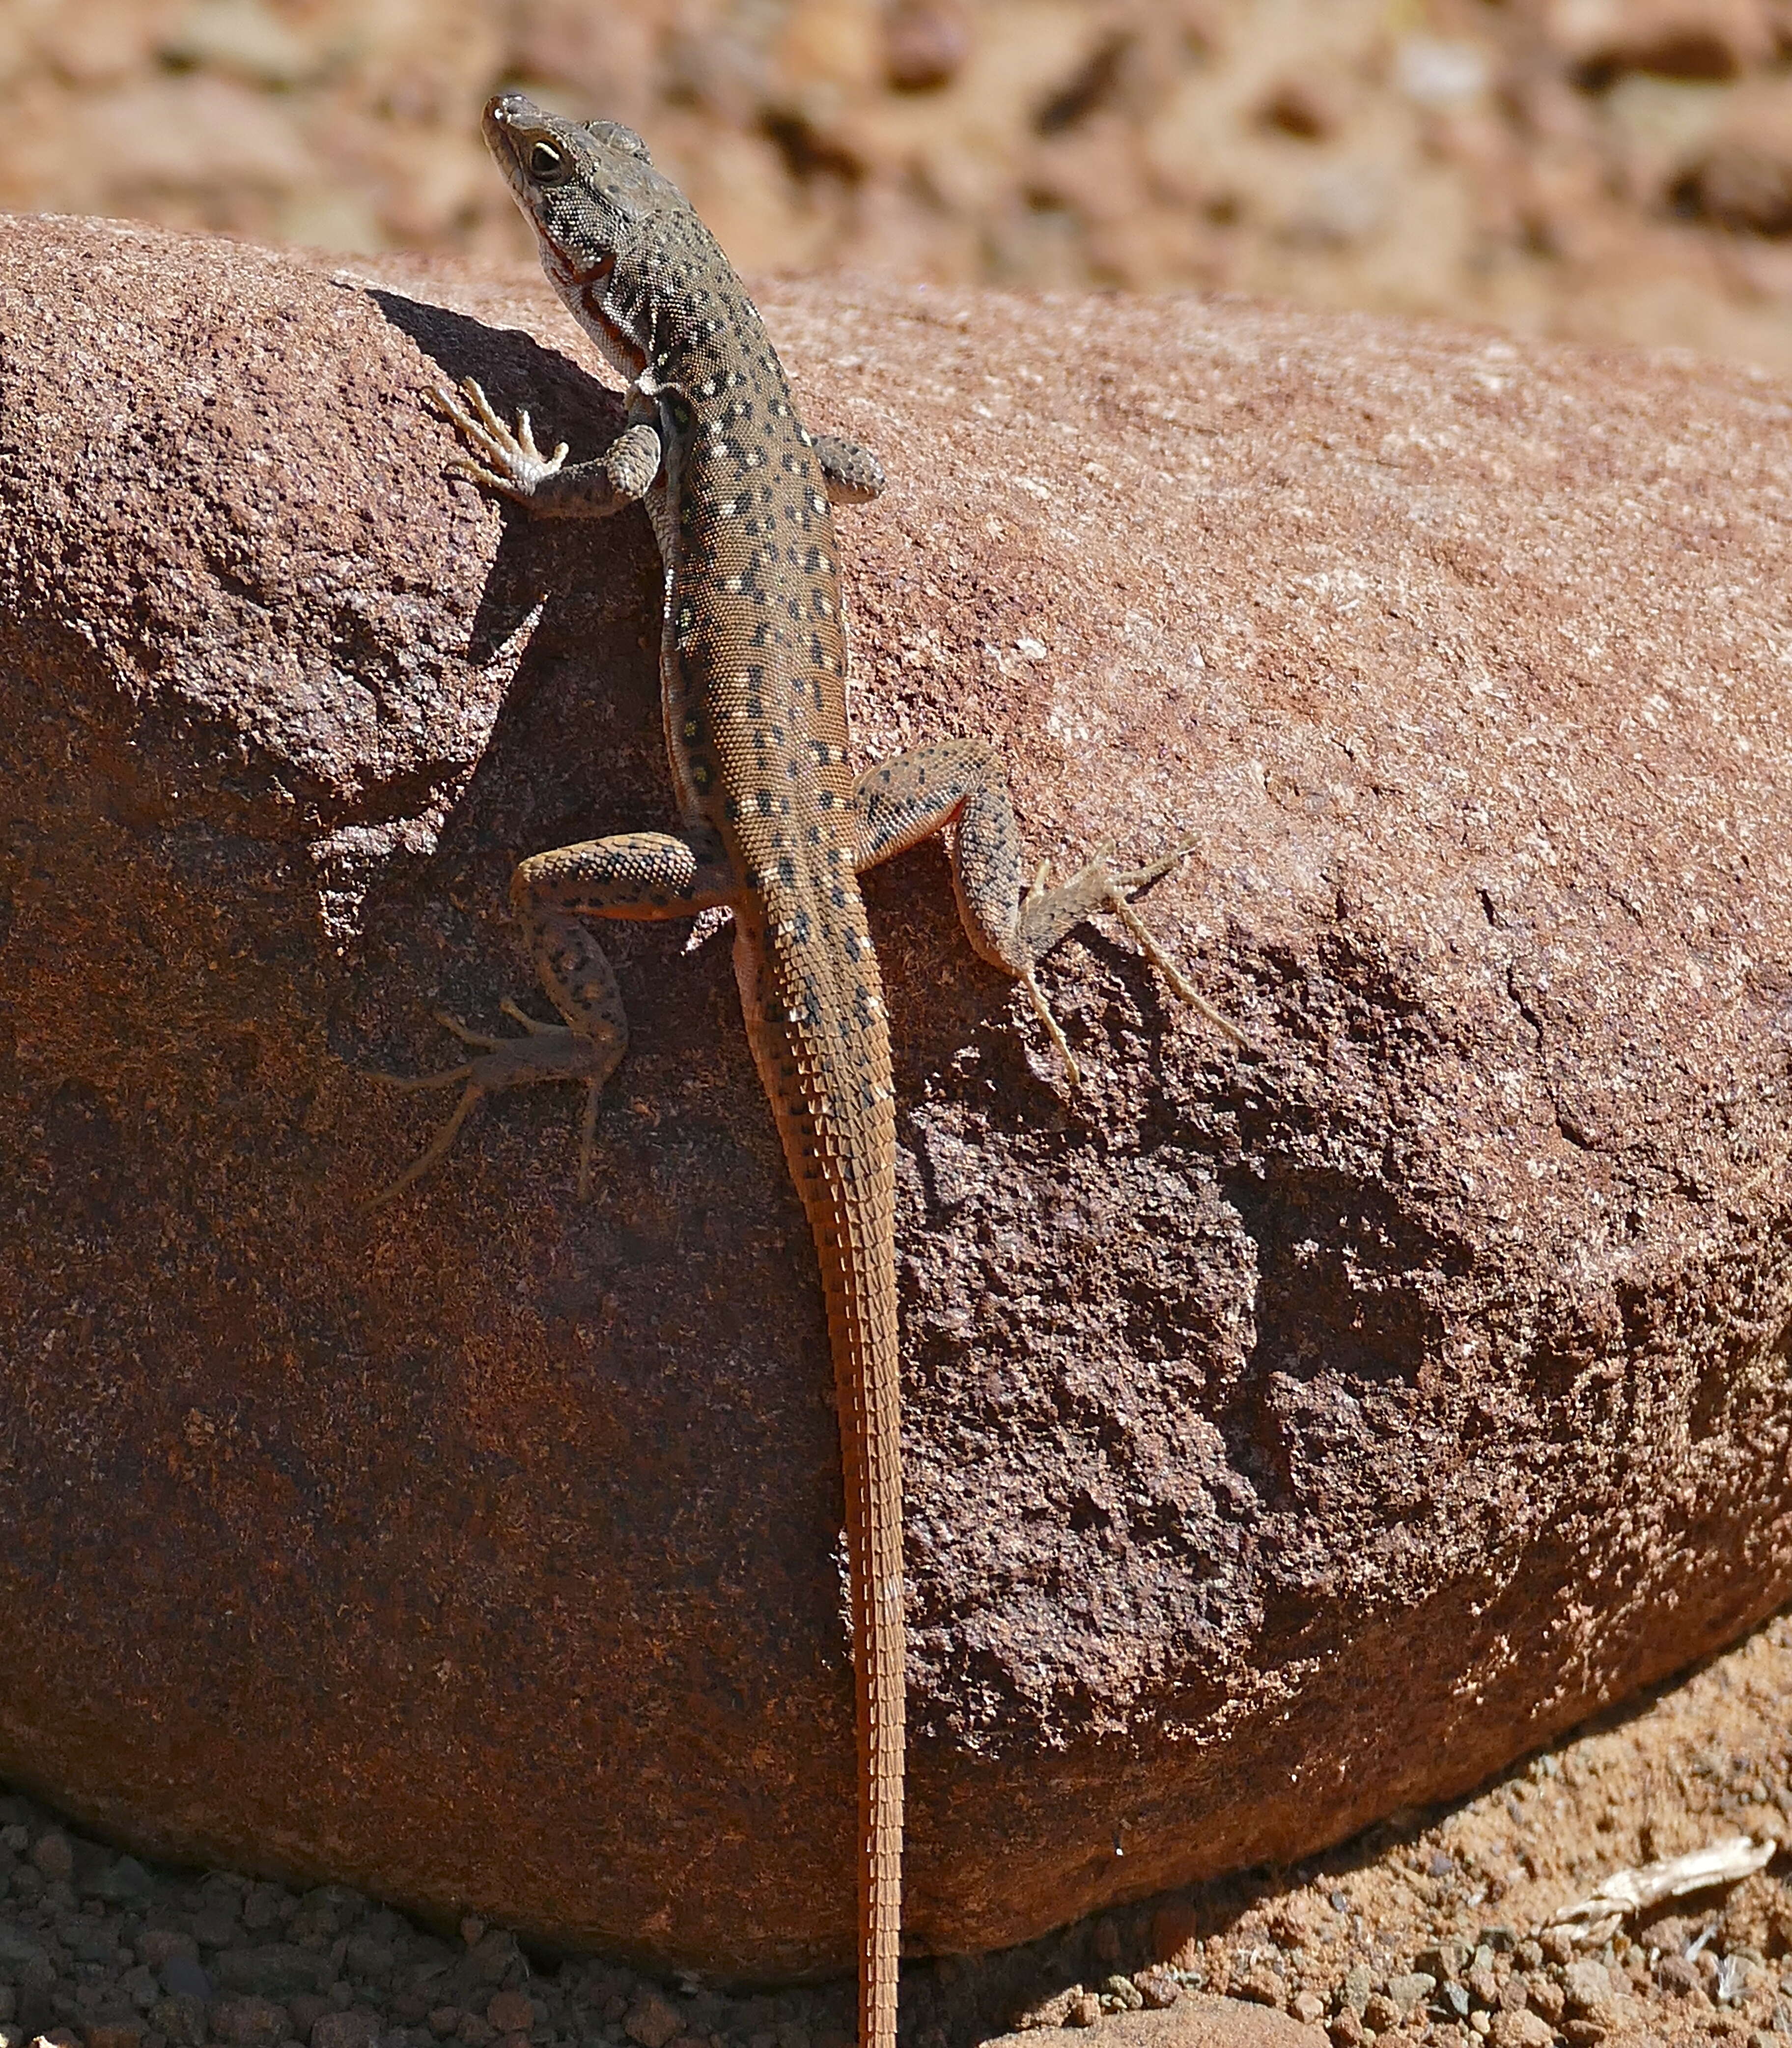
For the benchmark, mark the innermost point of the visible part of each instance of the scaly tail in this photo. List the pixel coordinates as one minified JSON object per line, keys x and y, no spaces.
{"x":828,"y":1080}
{"x":861,"y":1321}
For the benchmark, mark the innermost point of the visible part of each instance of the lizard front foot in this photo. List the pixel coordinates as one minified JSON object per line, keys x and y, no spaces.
{"x":547,"y":1052}
{"x":512,"y":464}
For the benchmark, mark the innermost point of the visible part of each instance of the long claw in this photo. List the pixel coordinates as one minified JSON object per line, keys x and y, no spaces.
{"x":1120,"y":888}
{"x":1142,"y":877}
{"x":511,"y":463}
{"x":1043,"y":1010}
{"x":1096,"y":885}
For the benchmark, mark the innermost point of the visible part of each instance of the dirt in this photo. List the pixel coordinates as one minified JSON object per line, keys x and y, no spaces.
{"x":1601,"y":170}
{"x":1389,"y":1936}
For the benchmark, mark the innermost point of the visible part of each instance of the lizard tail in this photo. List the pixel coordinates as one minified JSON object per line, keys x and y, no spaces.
{"x":828,"y":1080}
{"x":861,"y":1317}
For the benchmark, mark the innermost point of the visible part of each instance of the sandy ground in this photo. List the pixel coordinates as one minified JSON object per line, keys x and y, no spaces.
{"x":1435,"y":1926}
{"x":1604,"y":170}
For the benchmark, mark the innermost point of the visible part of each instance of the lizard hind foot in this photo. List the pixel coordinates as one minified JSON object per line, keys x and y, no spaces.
{"x":1121,"y":888}
{"x":1053,"y":912}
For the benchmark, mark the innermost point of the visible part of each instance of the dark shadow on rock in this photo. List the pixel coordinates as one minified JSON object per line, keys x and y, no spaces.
{"x":537,"y":558}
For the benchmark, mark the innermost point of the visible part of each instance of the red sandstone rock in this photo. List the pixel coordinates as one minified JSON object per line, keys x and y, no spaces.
{"x":1291,"y":1436}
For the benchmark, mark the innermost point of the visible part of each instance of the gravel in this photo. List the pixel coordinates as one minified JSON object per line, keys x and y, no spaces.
{"x":103,"y":1950}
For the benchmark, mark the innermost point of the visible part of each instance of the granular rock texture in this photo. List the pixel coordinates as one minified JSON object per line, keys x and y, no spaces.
{"x":1291,"y":1434}
{"x":1433,"y":1928}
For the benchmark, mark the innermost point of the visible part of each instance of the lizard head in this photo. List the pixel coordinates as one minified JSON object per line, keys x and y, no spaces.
{"x":600,"y":214}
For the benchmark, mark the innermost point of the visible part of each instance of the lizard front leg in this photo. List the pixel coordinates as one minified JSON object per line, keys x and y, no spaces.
{"x":961,"y":784}
{"x":633,"y":874}
{"x":509,"y":463}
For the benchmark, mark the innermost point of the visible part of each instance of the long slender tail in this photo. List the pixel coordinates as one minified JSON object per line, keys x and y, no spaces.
{"x":861,"y":1317}
{"x":828,"y":1080}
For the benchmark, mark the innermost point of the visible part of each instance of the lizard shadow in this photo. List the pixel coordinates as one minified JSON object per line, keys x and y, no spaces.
{"x":574,"y":747}
{"x":538,"y":562}
{"x":621,"y":1328}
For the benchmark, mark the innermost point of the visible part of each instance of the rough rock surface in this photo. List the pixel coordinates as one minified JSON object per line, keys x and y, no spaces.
{"x":1292,"y":1435}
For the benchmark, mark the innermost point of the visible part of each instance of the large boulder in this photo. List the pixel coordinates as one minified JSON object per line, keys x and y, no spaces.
{"x":1291,"y":1434}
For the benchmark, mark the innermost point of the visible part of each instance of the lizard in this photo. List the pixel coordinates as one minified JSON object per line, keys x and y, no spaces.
{"x":772,"y":826}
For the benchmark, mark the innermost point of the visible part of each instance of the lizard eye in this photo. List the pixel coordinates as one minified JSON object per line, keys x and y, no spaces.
{"x":547,"y":165}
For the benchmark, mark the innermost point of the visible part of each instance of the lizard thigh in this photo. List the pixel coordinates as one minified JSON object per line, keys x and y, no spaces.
{"x":959,"y":783}
{"x":632,"y":875}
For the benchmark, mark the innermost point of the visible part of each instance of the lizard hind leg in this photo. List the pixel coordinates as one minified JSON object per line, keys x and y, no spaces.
{"x":1047,"y":915}
{"x":634,"y":875}
{"x":961,"y":784}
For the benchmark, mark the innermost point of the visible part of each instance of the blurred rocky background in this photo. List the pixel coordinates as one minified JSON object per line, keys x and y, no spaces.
{"x":1602,"y":169}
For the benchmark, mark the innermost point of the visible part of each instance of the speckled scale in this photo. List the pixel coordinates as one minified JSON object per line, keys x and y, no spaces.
{"x":771,"y":823}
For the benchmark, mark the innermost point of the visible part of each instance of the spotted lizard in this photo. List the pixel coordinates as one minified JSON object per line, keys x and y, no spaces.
{"x":772,"y":824}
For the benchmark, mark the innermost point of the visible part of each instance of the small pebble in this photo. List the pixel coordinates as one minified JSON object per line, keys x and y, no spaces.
{"x":157,"y":1945}
{"x":1410,"y":1989}
{"x":1157,"y":1989}
{"x":248,"y":2023}
{"x":182,"y":1977}
{"x":357,"y":2028}
{"x":180,"y":2019}
{"x":925,"y":43}
{"x":1354,"y":1993}
{"x":1261,"y":1986}
{"x":114,"y":2034}
{"x":216,"y":1926}
{"x":652,"y":2023}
